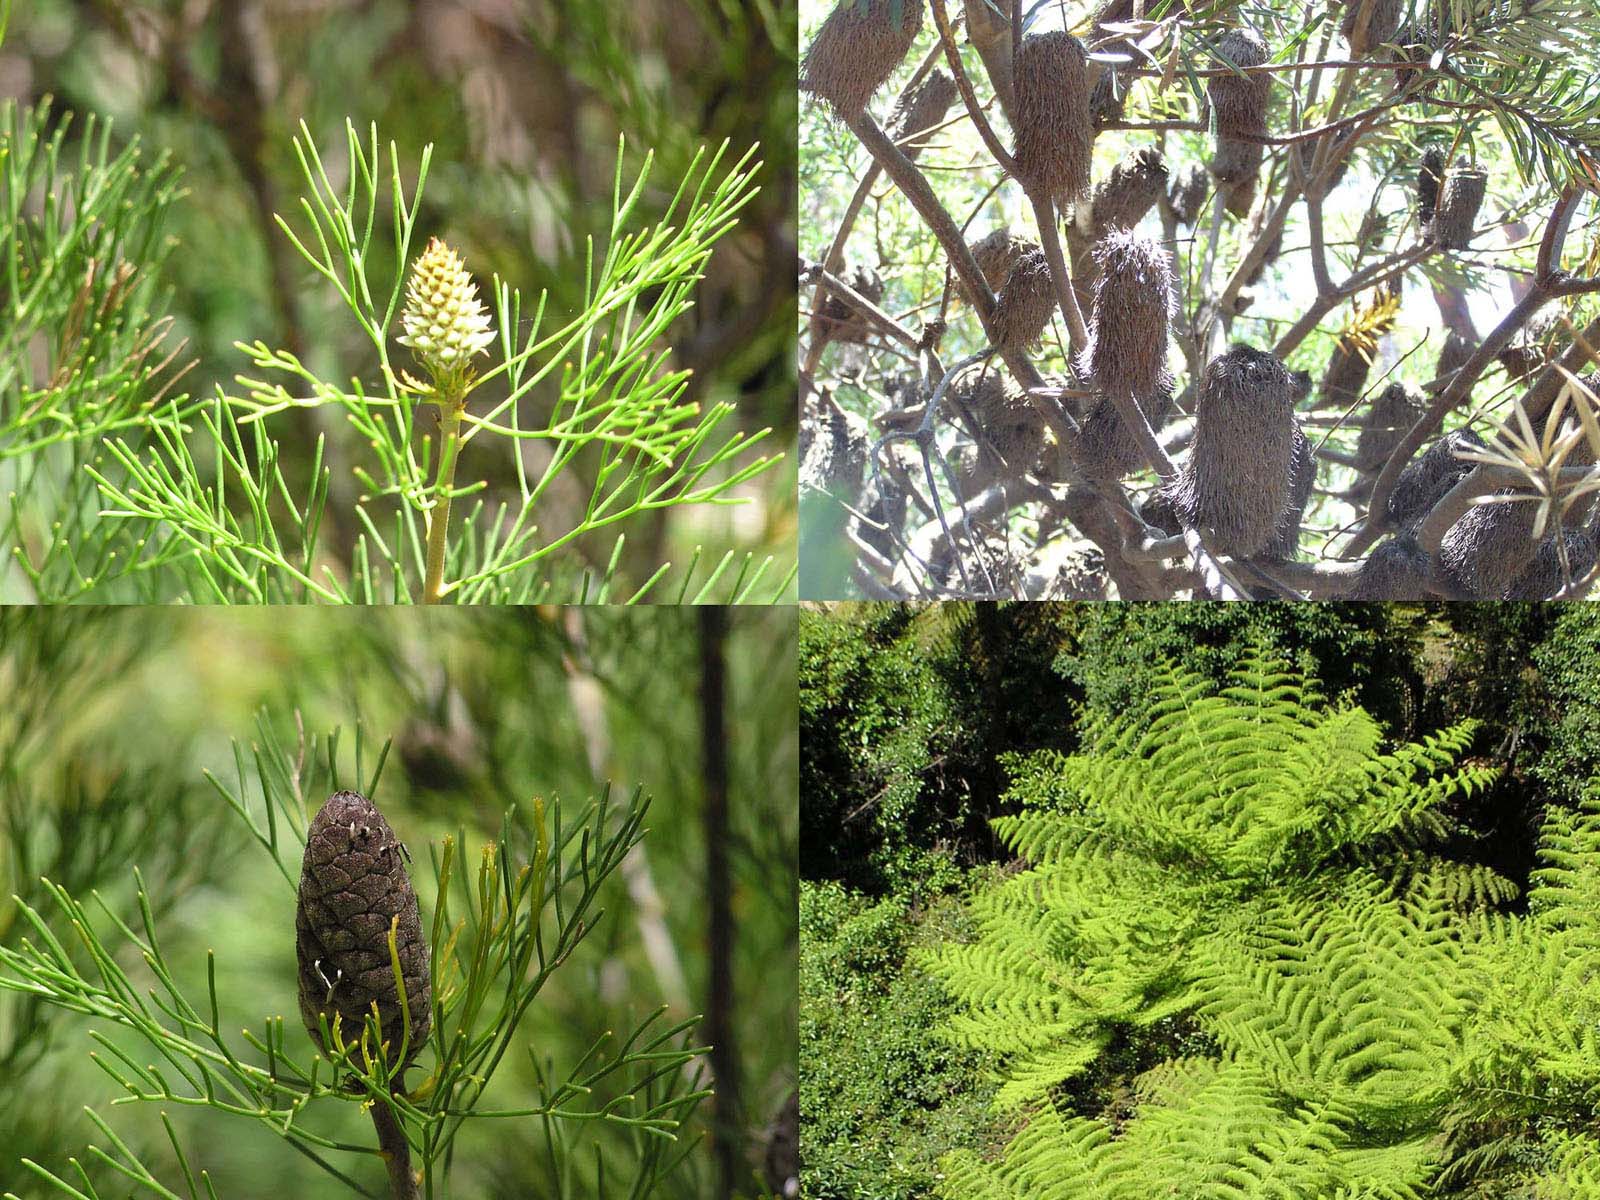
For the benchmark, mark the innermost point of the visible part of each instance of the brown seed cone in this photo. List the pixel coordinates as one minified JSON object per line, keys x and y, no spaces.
{"x":1240,"y":102}
{"x":1127,"y":352}
{"x":1459,"y":201}
{"x":997,"y":252}
{"x":1025,"y":303}
{"x":1429,"y":176}
{"x":1397,"y":570}
{"x":1107,"y":450}
{"x":833,"y":450}
{"x":1237,"y":167}
{"x":920,"y":109}
{"x":1489,"y":547}
{"x":1530,"y":351}
{"x":1054,"y":138}
{"x":1302,"y":476}
{"x":353,"y":889}
{"x":838,"y":321}
{"x":856,"y":51}
{"x":1453,"y":355}
{"x":1389,"y":417}
{"x":1237,"y":478}
{"x":1131,"y":190}
{"x":1013,"y":427}
{"x":1187,"y":195}
{"x":1346,"y":377}
{"x":1543,"y":578}
{"x":1383,"y":21}
{"x":1429,"y":476}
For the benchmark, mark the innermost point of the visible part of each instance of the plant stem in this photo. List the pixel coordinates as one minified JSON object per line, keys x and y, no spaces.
{"x":439,"y":516}
{"x":396,"y":1152}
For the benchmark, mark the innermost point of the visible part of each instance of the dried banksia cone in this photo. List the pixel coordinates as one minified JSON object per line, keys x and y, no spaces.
{"x":1389,"y":417}
{"x":838,"y":321}
{"x":996,"y":253}
{"x":1239,"y":103}
{"x":1530,"y":350}
{"x":1383,"y":20}
{"x":1106,"y":448}
{"x":1348,"y":368}
{"x":857,"y":49}
{"x":1130,"y":191}
{"x":1237,"y":167}
{"x":1127,"y":351}
{"x":1490,"y":546}
{"x":920,"y":109}
{"x":1429,"y":176}
{"x":1453,"y":355}
{"x":1397,"y":570}
{"x":833,"y":450}
{"x":1025,"y":303}
{"x":1188,"y":193}
{"x":1012,"y":427}
{"x":1106,"y":99}
{"x":1427,"y":478}
{"x":354,"y":892}
{"x":1459,"y":201}
{"x":446,"y":326}
{"x":1054,"y":138}
{"x":1302,"y":475}
{"x":1543,"y":577}
{"x":1237,"y":478}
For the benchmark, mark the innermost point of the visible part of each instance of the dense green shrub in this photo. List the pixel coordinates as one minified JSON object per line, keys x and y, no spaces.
{"x":880,"y":1099}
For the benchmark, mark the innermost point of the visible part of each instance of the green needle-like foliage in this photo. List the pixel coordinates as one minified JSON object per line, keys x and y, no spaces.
{"x":118,"y":491}
{"x":502,"y":922}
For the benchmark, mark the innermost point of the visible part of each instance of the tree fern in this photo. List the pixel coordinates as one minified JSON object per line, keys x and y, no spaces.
{"x":1230,"y":891}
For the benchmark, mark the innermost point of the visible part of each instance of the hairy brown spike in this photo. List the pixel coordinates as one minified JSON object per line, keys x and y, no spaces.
{"x":1054,"y":137}
{"x":1237,"y":478}
{"x":997,"y":252}
{"x":1383,"y":20}
{"x":1131,"y":190}
{"x":922,"y":108}
{"x":1459,"y":201}
{"x":1302,"y":477}
{"x":838,"y":321}
{"x":857,"y":49}
{"x":1543,"y":578}
{"x":1013,"y":428}
{"x":1429,"y":476}
{"x":1397,"y":570}
{"x":1026,"y":302}
{"x":1127,"y":353}
{"x":1429,"y":176}
{"x":1239,"y":110}
{"x":1389,"y":417}
{"x":1453,"y":355}
{"x":1188,"y":193}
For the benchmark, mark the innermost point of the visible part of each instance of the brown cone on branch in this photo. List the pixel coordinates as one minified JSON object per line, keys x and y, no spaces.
{"x":1129,"y":191}
{"x":1383,"y":22}
{"x":1025,"y":303}
{"x":1492,"y":544}
{"x":354,"y":892}
{"x":1238,"y":478}
{"x":1543,"y":577}
{"x":1130,"y":315}
{"x":1239,"y":114}
{"x":1429,"y":176}
{"x":996,"y":253}
{"x":1388,"y":419}
{"x":1053,"y":130}
{"x":1302,"y":477}
{"x":1346,"y":377}
{"x":1237,"y":168}
{"x":922,"y":108}
{"x":838,"y":321}
{"x":1107,"y":449}
{"x":833,"y":450}
{"x":1397,"y":570}
{"x":1429,"y":476}
{"x":1013,"y":428}
{"x":1460,"y":198}
{"x":857,"y":49}
{"x":1106,"y":99}
{"x":1187,"y":194}
{"x":1530,"y":350}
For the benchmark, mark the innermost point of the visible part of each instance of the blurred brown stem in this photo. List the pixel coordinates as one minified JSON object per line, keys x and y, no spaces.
{"x":395,"y":1151}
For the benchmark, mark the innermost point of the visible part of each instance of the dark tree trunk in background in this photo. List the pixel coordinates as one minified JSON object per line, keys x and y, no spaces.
{"x":719,"y":889}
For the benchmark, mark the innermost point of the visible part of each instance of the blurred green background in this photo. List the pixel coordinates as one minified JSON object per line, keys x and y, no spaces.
{"x":524,"y":101}
{"x":113,"y":716}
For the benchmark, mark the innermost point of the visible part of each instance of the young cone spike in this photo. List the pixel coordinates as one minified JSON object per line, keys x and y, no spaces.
{"x":353,"y":890}
{"x":1054,"y":136}
{"x":1237,"y":480}
{"x":1459,"y":201}
{"x":857,"y":49}
{"x":1132,"y":305}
